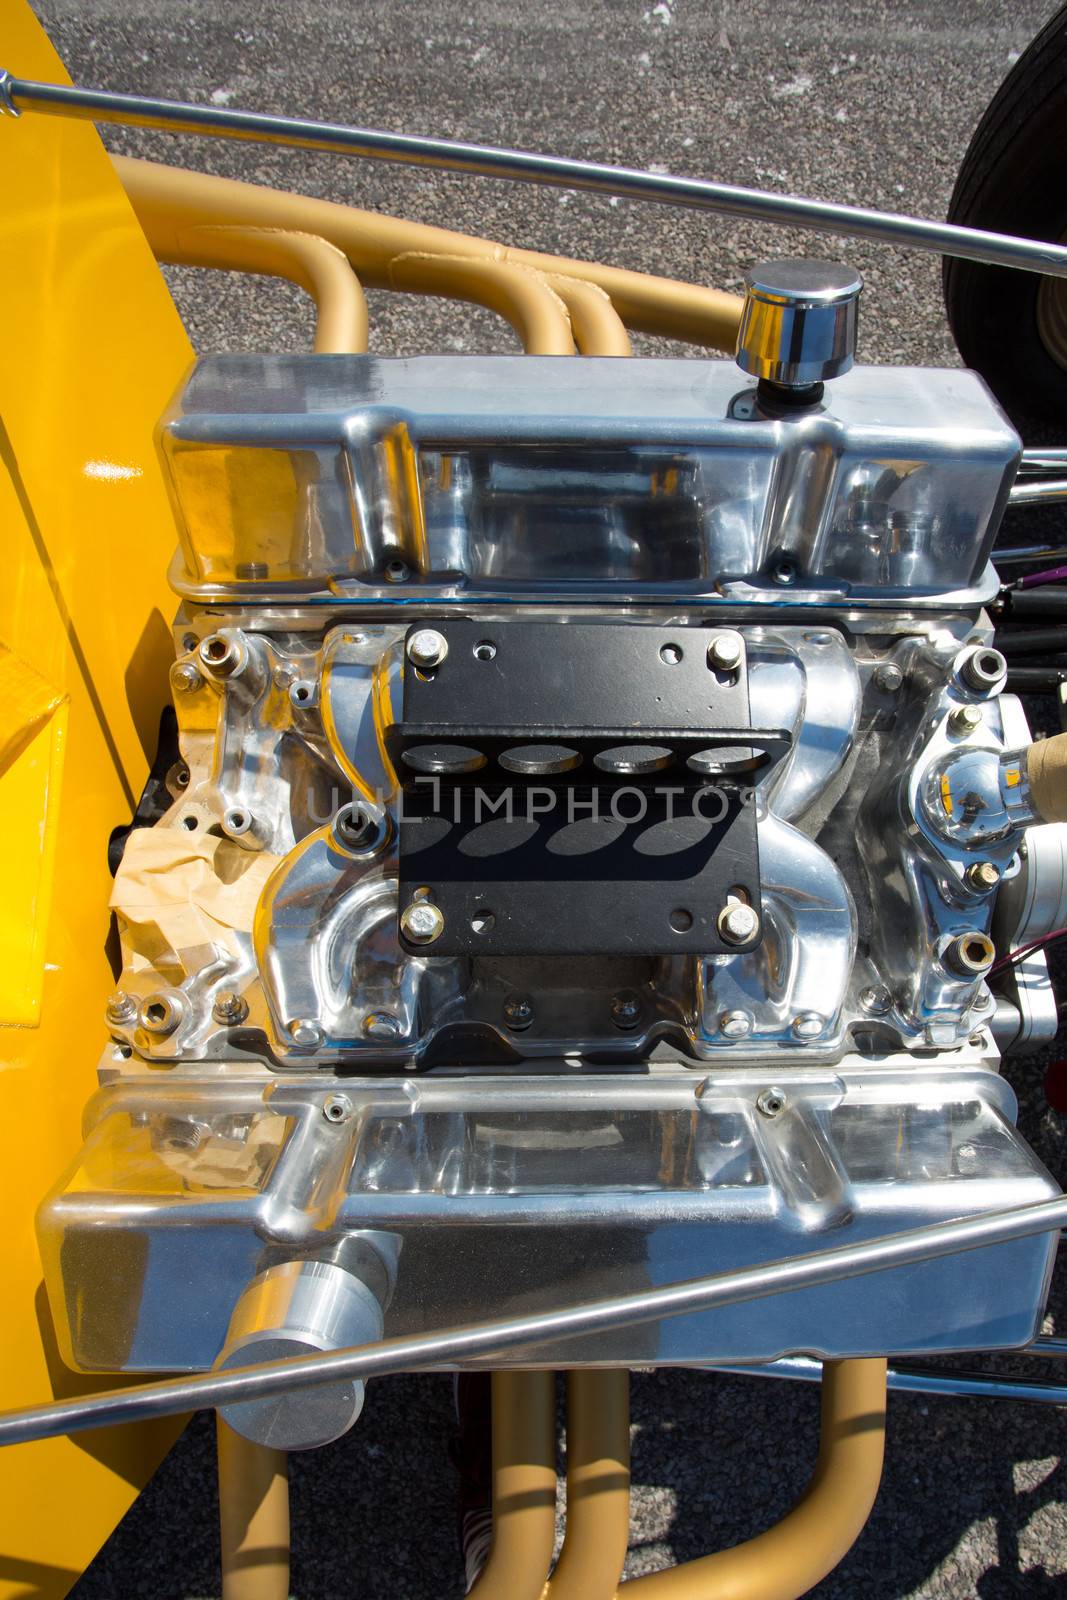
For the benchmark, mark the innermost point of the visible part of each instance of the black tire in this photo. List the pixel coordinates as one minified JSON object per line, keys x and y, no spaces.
{"x":1012,"y":326}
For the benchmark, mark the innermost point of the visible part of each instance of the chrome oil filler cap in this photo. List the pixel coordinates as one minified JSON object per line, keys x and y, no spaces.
{"x":798,"y":325}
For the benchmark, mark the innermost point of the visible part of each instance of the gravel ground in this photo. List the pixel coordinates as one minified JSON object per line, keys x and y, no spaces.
{"x":851,"y":100}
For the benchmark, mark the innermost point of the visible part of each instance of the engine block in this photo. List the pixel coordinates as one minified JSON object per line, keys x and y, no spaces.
{"x":589,"y":799}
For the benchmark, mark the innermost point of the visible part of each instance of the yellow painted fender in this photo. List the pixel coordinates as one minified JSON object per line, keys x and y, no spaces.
{"x":91,"y":349}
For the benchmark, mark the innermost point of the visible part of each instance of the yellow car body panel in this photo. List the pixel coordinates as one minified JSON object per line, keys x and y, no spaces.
{"x":91,"y":350}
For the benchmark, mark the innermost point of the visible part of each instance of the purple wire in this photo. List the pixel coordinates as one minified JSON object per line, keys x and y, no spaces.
{"x":1024,"y":950}
{"x":1050,"y":575}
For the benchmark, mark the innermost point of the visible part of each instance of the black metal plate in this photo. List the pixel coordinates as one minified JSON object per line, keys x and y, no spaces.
{"x":583,"y":862}
{"x":546,"y":886}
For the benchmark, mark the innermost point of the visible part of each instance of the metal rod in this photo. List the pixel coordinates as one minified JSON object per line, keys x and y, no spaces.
{"x":913,"y":1379}
{"x":1018,"y":554}
{"x":1038,"y":492}
{"x":486,"y":1340}
{"x":524,"y":166}
{"x":1044,"y":459}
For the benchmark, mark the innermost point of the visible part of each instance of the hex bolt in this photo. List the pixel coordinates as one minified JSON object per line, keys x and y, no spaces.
{"x":427,"y":648}
{"x":161,"y":1014}
{"x":809,"y":1025}
{"x":337,"y":1108}
{"x":230,"y":1008}
{"x":784,"y":571}
{"x":876,"y":1000}
{"x":982,"y":669}
{"x":239,"y":824}
{"x":735,"y":1024}
{"x":771,"y":1102}
{"x":983,"y":875}
{"x":725,"y":652}
{"x":283,"y":674}
{"x":966,"y":719}
{"x":518,"y":1012}
{"x":970,"y":955}
{"x":422,"y":922}
{"x":354,"y":828}
{"x":382,"y":1027}
{"x":889,"y":677}
{"x":221,"y":656}
{"x":304,"y":1033}
{"x":186,"y":677}
{"x":737,"y":923}
{"x":626,"y":1009}
{"x":121,"y":1009}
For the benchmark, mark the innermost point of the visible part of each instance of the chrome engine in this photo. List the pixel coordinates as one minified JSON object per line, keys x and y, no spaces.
{"x":593,"y":819}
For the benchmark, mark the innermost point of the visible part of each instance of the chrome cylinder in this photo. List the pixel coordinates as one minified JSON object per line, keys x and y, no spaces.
{"x":300,"y":1308}
{"x":798,"y":326}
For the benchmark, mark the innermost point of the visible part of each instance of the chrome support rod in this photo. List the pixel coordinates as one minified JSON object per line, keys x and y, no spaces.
{"x":910,"y":1378}
{"x":1037,"y":491}
{"x":1016,"y":555}
{"x":524,"y":166}
{"x":1044,"y":459}
{"x":487,"y":1341}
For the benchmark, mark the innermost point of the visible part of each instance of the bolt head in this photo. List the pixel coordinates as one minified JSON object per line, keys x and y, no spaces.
{"x":121,"y":1008}
{"x":982,"y":669}
{"x":337,"y":1108}
{"x":771,"y":1103}
{"x":518,"y":1011}
{"x":809,"y":1025}
{"x":983,"y":875}
{"x":354,"y":828}
{"x":382,"y":1026}
{"x":735,"y":1024}
{"x":876,"y":1000}
{"x":970,"y":955}
{"x":737,"y":923}
{"x":186,"y":677}
{"x":966,"y":719}
{"x":889,"y":677}
{"x":422,"y":922}
{"x":304,"y":1033}
{"x":626,"y":1009}
{"x":725,"y":652}
{"x":160,"y":1014}
{"x":222,"y":657}
{"x":427,"y":648}
{"x":229,"y":1007}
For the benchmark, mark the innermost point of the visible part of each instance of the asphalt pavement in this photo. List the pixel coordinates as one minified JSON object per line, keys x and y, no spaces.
{"x":850,"y":100}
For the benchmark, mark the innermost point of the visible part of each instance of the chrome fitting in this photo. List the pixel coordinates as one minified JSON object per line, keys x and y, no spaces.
{"x":422,"y":922}
{"x":222,"y":656}
{"x":966,"y":719}
{"x":983,"y":876}
{"x":725,"y":652}
{"x":230,"y":1008}
{"x":427,"y":648}
{"x":982,"y":670}
{"x":161,"y":1013}
{"x":970,"y":955}
{"x":121,"y":1009}
{"x":771,"y":1102}
{"x":300,"y":1308}
{"x":737,"y":923}
{"x":304,"y":1033}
